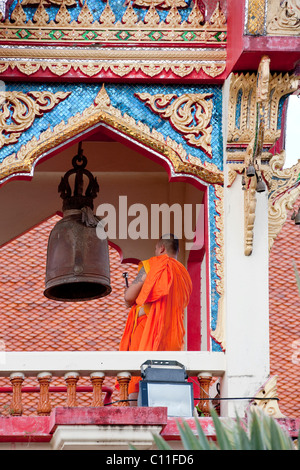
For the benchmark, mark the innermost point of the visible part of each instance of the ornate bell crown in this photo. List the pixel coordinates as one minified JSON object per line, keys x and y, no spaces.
{"x":78,"y":199}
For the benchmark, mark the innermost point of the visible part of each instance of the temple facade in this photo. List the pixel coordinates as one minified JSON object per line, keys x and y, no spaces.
{"x":179,"y":108}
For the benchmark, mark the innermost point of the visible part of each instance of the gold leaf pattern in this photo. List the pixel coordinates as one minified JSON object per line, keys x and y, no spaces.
{"x":189,"y":114}
{"x":19,"y":110}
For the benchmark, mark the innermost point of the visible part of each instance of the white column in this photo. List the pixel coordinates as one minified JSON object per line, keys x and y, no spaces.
{"x":246,"y":301}
{"x":246,"y":285}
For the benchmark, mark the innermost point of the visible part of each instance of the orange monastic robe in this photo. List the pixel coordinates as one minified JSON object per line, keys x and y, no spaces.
{"x":164,"y":296}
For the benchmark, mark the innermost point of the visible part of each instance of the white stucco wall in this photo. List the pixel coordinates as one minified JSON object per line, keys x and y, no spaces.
{"x":246,"y":296}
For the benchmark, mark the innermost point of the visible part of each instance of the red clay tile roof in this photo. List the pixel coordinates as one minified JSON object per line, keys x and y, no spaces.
{"x":285,"y":317}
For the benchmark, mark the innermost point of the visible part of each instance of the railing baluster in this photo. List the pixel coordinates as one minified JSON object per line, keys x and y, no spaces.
{"x":204,"y":380}
{"x":97,"y":379}
{"x":44,"y":405}
{"x":16,"y":379}
{"x":71,"y":379}
{"x":123,"y":380}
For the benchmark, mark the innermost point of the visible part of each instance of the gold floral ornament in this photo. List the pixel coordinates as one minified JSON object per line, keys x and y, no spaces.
{"x":69,"y":3}
{"x":284,"y":190}
{"x":259,"y":96}
{"x":19,"y":110}
{"x":286,"y":21}
{"x":189,"y":114}
{"x":158,"y":3}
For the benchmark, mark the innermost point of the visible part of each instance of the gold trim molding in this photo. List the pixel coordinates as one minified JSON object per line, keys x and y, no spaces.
{"x":120,"y":68}
{"x":23,"y":50}
{"x":102,"y":112}
{"x":106,"y":28}
{"x":219,"y":334}
{"x":166,"y":4}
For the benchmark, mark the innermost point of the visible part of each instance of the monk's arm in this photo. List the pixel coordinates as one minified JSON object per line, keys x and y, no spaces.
{"x":133,"y":290}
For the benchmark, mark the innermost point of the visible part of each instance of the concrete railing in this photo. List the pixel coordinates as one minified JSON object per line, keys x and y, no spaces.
{"x":97,"y":365}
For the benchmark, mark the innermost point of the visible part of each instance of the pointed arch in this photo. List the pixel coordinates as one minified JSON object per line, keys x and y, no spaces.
{"x":124,"y":128}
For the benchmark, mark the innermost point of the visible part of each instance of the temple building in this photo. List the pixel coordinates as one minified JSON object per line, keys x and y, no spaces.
{"x":139,"y":118}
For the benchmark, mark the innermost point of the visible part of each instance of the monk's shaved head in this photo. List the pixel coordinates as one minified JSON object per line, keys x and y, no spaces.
{"x":170,"y":243}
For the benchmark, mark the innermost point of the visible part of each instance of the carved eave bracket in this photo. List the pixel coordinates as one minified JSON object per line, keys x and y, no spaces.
{"x":253,"y":129}
{"x":266,"y":399}
{"x":284,"y":190}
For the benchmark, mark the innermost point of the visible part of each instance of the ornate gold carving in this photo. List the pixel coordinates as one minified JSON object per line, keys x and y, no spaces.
{"x":152,"y":17}
{"x":91,"y":32}
{"x":159,"y":3}
{"x":243,"y":99}
{"x":130,"y":18}
{"x":68,"y":3}
{"x":106,"y":28}
{"x":19,"y":110}
{"x":266,"y":399}
{"x":41,"y":17}
{"x":249,"y":214}
{"x":217,"y":21}
{"x":284,"y":190}
{"x":173,"y":18}
{"x":85,"y":17}
{"x":107,"y":17}
{"x":285,"y":20}
{"x":218,"y":18}
{"x":120,"y":68}
{"x":258,"y":98}
{"x":196,"y":17}
{"x":18,"y":15}
{"x":63,"y":16}
{"x":101,"y":111}
{"x":190,"y":114}
{"x":254,"y":150}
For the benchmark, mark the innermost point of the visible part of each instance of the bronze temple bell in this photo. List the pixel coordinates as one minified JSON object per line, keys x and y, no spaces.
{"x":77,"y":259}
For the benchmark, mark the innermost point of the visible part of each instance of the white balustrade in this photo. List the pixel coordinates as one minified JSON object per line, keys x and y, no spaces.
{"x":96,"y":365}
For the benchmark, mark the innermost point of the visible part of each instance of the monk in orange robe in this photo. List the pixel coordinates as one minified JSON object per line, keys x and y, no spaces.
{"x":157,"y":297}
